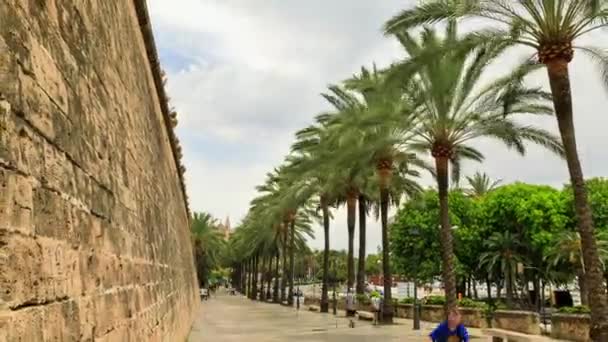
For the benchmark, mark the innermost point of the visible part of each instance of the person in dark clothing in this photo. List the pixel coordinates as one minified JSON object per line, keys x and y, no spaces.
{"x":451,"y":330}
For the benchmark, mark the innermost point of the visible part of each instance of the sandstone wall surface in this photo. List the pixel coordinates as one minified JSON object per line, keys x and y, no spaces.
{"x":94,"y":238}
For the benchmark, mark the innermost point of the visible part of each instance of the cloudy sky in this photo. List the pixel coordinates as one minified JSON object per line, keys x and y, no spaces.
{"x":246,"y":74}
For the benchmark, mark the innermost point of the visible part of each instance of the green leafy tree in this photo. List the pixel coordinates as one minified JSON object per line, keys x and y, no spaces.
{"x":534,"y":213}
{"x":550,"y":28}
{"x":415,"y":233}
{"x":373,"y":264}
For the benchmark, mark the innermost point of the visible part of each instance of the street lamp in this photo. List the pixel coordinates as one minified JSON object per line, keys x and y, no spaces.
{"x":335,"y":303}
{"x":416,"y":233}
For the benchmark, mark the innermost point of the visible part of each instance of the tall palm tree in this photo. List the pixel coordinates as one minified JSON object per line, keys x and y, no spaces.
{"x":480,"y":184}
{"x":310,"y":159}
{"x":551,"y":28}
{"x":456,"y":108}
{"x":377,"y":136}
{"x":351,"y":173}
{"x":503,"y":253}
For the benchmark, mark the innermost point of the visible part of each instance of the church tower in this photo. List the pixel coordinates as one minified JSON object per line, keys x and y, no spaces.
{"x":226,"y":229}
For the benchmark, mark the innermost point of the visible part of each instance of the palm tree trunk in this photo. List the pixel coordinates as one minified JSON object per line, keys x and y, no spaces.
{"x":498,"y":289}
{"x":324,"y":287}
{"x":275,"y":290}
{"x":562,"y":101}
{"x":284,"y":270}
{"x":582,"y":285}
{"x":241,"y":277}
{"x":292,"y":252}
{"x":262,"y":279}
{"x":256,"y":269}
{"x":351,"y":214}
{"x":537,"y":289}
{"x":269,"y":278}
{"x":387,"y":308}
{"x":249,"y":277}
{"x":509,"y":285}
{"x":362,"y":237}
{"x":489,"y":289}
{"x":447,"y":248}
{"x":252,"y":292}
{"x":475,"y":294}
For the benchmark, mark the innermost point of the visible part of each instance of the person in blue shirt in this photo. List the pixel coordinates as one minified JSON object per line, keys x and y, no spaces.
{"x":451,"y":330}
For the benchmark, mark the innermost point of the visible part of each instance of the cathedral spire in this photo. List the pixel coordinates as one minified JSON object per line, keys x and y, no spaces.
{"x":227,"y":223}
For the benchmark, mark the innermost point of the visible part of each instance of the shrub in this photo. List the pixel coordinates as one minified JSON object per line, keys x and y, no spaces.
{"x":407,"y":300}
{"x":579,"y":309}
{"x":469,"y":303}
{"x":363,"y":299}
{"x":375,"y":294}
{"x":434,"y":300}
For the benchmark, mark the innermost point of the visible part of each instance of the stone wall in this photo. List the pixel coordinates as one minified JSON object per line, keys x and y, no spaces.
{"x":94,"y":238}
{"x":521,"y":321}
{"x":570,"y":327}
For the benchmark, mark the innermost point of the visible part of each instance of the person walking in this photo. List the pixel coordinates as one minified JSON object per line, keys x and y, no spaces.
{"x":376,"y":305}
{"x":350,"y":303}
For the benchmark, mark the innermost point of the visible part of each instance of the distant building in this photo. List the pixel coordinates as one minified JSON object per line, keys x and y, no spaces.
{"x":225,"y":228}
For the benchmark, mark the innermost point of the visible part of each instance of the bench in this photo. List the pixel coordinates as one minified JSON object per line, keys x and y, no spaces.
{"x":500,"y":335}
{"x":365,"y":315}
{"x":314,"y":308}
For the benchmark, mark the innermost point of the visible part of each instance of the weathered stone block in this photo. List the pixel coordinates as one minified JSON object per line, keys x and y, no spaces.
{"x":571,"y":327}
{"x":521,"y":321}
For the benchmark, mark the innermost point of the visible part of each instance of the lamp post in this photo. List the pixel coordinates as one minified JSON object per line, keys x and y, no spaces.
{"x":416,"y":233}
{"x":335,"y":309}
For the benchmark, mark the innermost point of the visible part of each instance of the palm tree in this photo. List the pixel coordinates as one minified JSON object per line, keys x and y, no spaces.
{"x":550,"y":27}
{"x":363,"y":209}
{"x":350,"y":174}
{"x":455,"y":109}
{"x":208,"y":245}
{"x":480,"y":184}
{"x":310,"y":158}
{"x":568,"y":248}
{"x":376,"y":135}
{"x":503,"y":253}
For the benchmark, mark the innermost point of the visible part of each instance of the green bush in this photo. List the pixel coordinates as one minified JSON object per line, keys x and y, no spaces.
{"x":579,"y":309}
{"x":407,"y":300}
{"x":434,"y":300}
{"x":363,"y":299}
{"x":500,"y":305}
{"x":375,"y":294}
{"x":469,"y":303}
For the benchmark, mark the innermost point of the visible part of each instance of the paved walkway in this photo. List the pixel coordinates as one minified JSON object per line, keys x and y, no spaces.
{"x":234,"y":318}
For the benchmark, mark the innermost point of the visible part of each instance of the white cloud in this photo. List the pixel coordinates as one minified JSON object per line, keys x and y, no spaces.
{"x":245,"y":74}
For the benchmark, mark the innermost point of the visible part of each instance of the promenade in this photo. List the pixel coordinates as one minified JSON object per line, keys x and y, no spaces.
{"x":234,"y":318}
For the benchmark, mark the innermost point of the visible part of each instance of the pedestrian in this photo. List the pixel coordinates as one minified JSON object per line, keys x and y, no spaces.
{"x":204,"y":294}
{"x":376,"y":305}
{"x":350,"y":303}
{"x":451,"y":330}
